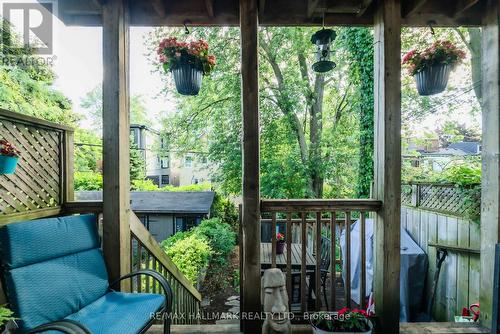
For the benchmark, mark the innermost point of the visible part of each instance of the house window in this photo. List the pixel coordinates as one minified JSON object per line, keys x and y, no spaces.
{"x":188,"y":161}
{"x":165,"y":162}
{"x":186,"y":223}
{"x":155,"y":179}
{"x":165,"y":180}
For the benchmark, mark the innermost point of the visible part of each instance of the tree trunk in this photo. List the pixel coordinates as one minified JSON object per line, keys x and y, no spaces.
{"x":315,"y":136}
{"x":311,"y":156}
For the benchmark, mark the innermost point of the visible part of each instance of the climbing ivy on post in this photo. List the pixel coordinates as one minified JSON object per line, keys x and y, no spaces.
{"x":359,"y":44}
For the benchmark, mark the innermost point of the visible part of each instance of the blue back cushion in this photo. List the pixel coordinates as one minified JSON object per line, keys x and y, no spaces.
{"x":52,"y":267}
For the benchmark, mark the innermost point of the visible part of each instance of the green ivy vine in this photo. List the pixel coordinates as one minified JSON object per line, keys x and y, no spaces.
{"x":359,"y":44}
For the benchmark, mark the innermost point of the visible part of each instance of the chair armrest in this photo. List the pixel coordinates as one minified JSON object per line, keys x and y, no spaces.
{"x":159,"y":278}
{"x":65,"y":326}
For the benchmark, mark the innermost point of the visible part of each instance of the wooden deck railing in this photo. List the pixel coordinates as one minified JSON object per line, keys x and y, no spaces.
{"x":314,"y":219}
{"x":146,"y":253}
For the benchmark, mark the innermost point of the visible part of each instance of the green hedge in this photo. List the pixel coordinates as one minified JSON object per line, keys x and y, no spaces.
{"x":191,"y":255}
{"x":220,"y":235}
{"x":191,"y":251}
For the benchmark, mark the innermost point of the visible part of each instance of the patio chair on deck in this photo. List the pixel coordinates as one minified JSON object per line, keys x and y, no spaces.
{"x":324,"y":270}
{"x":55,"y":279}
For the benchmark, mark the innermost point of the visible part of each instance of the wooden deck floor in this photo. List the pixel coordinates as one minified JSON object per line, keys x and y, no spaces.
{"x":406,"y":328}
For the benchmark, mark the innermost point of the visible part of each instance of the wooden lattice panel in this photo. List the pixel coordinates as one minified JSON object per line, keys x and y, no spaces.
{"x":441,"y":198}
{"x":406,"y":191}
{"x":37,"y":183}
{"x":445,"y":198}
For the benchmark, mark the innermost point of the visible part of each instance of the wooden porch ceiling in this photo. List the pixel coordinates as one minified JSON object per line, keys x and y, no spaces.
{"x":276,"y":12}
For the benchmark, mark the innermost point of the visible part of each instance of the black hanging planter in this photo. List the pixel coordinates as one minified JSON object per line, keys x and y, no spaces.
{"x":433,"y":80}
{"x":188,"y":78}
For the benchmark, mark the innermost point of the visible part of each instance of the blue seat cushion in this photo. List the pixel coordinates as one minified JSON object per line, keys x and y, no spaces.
{"x":53,"y":289}
{"x":25,"y":243}
{"x":119,"y":313}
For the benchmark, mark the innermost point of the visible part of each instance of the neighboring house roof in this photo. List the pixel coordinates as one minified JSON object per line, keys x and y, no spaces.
{"x":469,"y":147}
{"x":161,"y":201}
{"x":457,"y":149}
{"x":445,"y":152}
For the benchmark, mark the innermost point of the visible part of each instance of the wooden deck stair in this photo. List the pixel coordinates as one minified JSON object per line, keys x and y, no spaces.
{"x":406,"y":328}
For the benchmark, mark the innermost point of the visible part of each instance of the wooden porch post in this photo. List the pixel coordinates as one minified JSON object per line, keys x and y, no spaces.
{"x":250,"y":225}
{"x":116,"y":138}
{"x":490,"y":194}
{"x":387,"y":162}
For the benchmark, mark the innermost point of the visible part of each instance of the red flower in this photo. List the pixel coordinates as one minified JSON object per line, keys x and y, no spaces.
{"x":172,"y":53}
{"x":8,"y":149}
{"x":439,"y":53}
{"x":362,"y":312}
{"x":343,"y":310}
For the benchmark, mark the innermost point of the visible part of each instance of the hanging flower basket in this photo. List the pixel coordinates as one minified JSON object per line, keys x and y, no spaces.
{"x":188,"y":62}
{"x":431,"y":67}
{"x":9,"y":156}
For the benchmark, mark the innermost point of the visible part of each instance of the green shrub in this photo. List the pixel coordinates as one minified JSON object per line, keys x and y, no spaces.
{"x":189,"y":187}
{"x":463,"y":174}
{"x":190,"y":255}
{"x":88,"y":181}
{"x":5,"y":315}
{"x":167,"y":243}
{"x":220,"y":235}
{"x":144,"y":185}
{"x":224,"y":209}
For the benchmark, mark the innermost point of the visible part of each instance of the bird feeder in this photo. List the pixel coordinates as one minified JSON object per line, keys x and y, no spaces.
{"x":322,"y":39}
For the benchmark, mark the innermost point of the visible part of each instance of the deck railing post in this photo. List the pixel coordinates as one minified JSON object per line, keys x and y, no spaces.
{"x":250,"y":225}
{"x":490,"y":185}
{"x":387,"y":187}
{"x":116,"y":138}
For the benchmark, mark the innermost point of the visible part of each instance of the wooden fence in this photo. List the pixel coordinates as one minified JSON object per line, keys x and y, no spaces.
{"x":458,"y":284}
{"x":44,"y":176}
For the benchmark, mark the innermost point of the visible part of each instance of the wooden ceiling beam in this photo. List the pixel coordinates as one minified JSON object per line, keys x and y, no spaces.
{"x":365,"y":4}
{"x":311,"y":7}
{"x":159,"y":7}
{"x":410,"y":7}
{"x":463,"y":5}
{"x":77,"y":12}
{"x":210,"y":8}
{"x":262,"y":6}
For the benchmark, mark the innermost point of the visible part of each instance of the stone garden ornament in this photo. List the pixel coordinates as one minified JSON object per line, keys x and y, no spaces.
{"x":274,"y":299}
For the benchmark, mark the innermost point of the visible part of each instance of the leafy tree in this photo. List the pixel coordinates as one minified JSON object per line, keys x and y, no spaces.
{"x":453,"y":131}
{"x":137,"y":164}
{"x":88,"y":151}
{"x":92,"y":103}
{"x":26,"y":86}
{"x":307,"y":124}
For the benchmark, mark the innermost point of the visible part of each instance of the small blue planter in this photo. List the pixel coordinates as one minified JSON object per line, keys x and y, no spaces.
{"x":8,"y":164}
